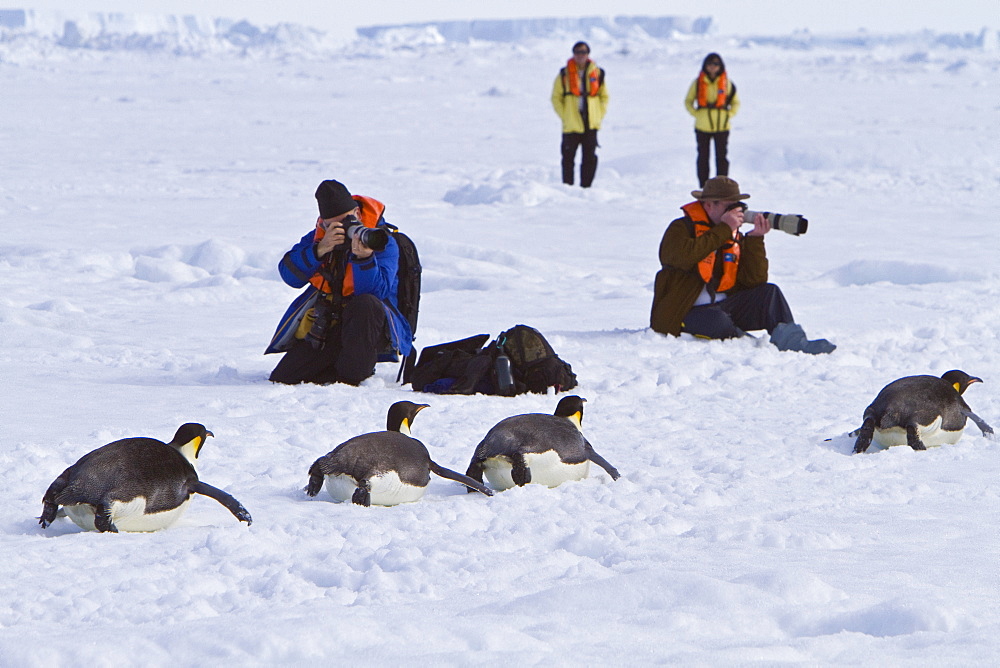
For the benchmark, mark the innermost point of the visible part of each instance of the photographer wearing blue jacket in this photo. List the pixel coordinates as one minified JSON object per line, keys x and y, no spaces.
{"x":348,"y":318}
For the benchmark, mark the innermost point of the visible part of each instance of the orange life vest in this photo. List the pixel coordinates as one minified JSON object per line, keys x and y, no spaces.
{"x":721,"y":84}
{"x":730,"y":252}
{"x":371,"y":213}
{"x":573,"y":75}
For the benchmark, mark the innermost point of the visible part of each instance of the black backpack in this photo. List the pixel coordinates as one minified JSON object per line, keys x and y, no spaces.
{"x":408,"y":273}
{"x":467,"y":366}
{"x":408,"y":276}
{"x":533,"y":361}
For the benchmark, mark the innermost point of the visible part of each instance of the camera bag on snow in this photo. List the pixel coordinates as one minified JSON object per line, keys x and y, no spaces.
{"x":519,"y":360}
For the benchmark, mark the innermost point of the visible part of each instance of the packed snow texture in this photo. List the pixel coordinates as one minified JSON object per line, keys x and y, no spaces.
{"x":147,"y":194}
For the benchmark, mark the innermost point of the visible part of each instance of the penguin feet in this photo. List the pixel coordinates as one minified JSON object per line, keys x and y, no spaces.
{"x":315,"y":482}
{"x":791,"y":336}
{"x":864,"y":434}
{"x":49,"y":511}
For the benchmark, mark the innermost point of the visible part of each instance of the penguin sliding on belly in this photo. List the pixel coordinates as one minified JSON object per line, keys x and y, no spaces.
{"x":919,"y":411}
{"x":135,"y":484}
{"x":538,"y":448}
{"x":384,"y":468}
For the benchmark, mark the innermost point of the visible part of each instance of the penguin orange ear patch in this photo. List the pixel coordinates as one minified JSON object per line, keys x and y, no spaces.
{"x":958,"y":387}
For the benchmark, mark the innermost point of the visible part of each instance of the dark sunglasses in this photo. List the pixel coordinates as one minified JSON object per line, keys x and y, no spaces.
{"x":581,"y":52}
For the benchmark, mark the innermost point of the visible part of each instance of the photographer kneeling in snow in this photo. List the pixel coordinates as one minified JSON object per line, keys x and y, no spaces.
{"x":349,"y":263}
{"x":713,"y":280}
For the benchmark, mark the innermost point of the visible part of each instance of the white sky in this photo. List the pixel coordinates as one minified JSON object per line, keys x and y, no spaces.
{"x":731,"y":16}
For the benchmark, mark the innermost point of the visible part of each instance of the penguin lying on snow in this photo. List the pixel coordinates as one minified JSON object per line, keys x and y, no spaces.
{"x":543,"y":449}
{"x":384,"y":468}
{"x":919,"y":411}
{"x":135,"y":484}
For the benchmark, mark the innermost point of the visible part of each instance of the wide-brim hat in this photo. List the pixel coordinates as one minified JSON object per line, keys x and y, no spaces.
{"x":720,"y":189}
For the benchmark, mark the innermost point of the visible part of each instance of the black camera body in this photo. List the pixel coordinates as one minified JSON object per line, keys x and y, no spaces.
{"x":790,"y":223}
{"x":375,"y":238}
{"x":323,"y":317}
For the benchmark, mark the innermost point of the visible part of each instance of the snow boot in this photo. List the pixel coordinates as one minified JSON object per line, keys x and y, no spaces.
{"x":790,"y":336}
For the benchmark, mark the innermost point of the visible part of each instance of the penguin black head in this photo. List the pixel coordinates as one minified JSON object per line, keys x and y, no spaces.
{"x":571,"y":408}
{"x":960,"y":380}
{"x":189,"y":439}
{"x":400,"y":416}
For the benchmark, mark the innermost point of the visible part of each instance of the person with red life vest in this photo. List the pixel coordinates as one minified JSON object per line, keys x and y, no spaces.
{"x":580,"y":98}
{"x":713,"y":278}
{"x":713,"y":101}
{"x":354,"y":319}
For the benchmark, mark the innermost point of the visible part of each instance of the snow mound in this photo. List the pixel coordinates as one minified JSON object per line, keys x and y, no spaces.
{"x":505,"y":189}
{"x":865,"y":272}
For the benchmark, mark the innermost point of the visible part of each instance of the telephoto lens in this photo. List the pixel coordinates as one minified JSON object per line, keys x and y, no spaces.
{"x":790,"y":223}
{"x":375,"y":238}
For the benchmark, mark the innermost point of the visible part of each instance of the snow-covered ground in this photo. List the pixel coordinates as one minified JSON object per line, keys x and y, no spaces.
{"x":146,"y":198}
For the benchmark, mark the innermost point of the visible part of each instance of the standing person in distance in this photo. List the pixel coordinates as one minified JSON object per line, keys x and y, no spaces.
{"x":713,"y":101}
{"x":580,"y":98}
{"x":355,"y":320}
{"x":713,"y":278}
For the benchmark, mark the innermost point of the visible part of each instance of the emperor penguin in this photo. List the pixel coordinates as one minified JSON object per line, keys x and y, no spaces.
{"x":135,"y":484}
{"x":535,"y":447}
{"x":384,"y":468}
{"x":919,"y":411}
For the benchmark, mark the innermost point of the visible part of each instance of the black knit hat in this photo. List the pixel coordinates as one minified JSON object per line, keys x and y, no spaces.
{"x":334,"y":199}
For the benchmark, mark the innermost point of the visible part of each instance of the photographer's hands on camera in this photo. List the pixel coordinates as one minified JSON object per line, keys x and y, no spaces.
{"x":335,"y":237}
{"x":734,"y":218}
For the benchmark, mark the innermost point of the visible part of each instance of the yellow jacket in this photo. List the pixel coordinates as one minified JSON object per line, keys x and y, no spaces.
{"x":708,"y":119}
{"x":567,"y":105}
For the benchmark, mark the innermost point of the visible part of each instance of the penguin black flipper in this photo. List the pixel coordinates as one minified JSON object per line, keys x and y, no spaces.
{"x":362,"y":495}
{"x":102,"y":518}
{"x":469,"y":482}
{"x":980,"y":422}
{"x":913,"y":438}
{"x":519,"y":472}
{"x":227,"y":500}
{"x":864,"y":434}
{"x":600,"y":461}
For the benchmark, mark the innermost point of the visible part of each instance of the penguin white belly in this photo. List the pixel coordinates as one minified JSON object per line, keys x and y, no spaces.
{"x":127,"y":516}
{"x":386,"y":489}
{"x":82,"y":516}
{"x":546,"y":469}
{"x":931,"y":435}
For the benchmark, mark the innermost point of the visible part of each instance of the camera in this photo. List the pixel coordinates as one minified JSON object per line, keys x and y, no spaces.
{"x":375,"y":238}
{"x":791,"y":223}
{"x":323,"y":317}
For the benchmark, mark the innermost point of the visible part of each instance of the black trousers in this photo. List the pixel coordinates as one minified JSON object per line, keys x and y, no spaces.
{"x":351,"y":349}
{"x":721,"y":140}
{"x":762,"y":307}
{"x":588,"y":164}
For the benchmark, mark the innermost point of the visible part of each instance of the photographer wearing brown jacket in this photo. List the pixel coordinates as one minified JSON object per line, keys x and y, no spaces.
{"x":713,"y":280}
